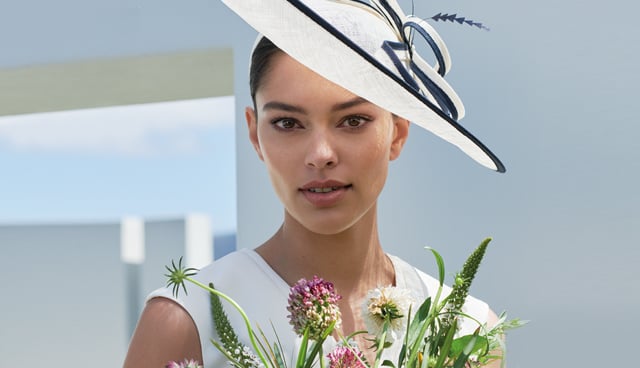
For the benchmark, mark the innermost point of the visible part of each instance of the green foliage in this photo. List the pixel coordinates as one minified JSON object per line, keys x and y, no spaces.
{"x":440,"y":263}
{"x":177,"y":276}
{"x":472,"y":344}
{"x":228,"y":338}
{"x":463,"y":280}
{"x":430,"y":339}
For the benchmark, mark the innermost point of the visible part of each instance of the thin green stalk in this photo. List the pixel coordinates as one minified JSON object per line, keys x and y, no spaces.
{"x":381,"y":341}
{"x":242,"y":313}
{"x":444,"y":351}
{"x":280,"y":360}
{"x":267,"y":349}
{"x":436,"y":306}
{"x":345,"y":342}
{"x":317,"y":345}
{"x":302,"y":353}
{"x":423,"y":330}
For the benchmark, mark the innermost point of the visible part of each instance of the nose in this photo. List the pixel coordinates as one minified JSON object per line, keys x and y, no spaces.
{"x":321,"y":151}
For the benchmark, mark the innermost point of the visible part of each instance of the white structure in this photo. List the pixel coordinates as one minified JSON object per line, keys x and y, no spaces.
{"x":74,"y":291}
{"x":81,"y":286}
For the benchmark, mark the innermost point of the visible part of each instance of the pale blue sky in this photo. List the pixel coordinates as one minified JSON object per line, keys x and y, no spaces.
{"x":158,"y":160}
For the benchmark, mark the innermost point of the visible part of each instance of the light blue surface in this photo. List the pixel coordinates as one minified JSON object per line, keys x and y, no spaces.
{"x":551,"y":89}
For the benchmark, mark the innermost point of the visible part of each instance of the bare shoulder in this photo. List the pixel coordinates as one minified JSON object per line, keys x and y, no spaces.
{"x":492,"y":318}
{"x":164,"y":332}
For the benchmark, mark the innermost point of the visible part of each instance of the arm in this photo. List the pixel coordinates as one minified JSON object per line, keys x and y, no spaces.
{"x":165,"y":332}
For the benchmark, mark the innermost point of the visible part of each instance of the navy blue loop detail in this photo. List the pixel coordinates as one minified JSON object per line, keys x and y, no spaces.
{"x":395,"y":18}
{"x":434,"y":47}
{"x":390,"y":47}
{"x":442,"y":99}
{"x":366,"y":56}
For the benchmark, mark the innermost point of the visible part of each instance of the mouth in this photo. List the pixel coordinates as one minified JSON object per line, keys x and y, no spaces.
{"x":326,"y":189}
{"x":324,"y":186}
{"x":324,"y":194}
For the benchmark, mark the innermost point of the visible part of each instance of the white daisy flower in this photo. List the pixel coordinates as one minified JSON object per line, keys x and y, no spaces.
{"x":387,"y":303}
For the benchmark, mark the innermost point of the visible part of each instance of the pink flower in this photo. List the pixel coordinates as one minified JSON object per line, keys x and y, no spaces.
{"x":346,"y":357}
{"x":187,"y":363}
{"x":313,"y":304}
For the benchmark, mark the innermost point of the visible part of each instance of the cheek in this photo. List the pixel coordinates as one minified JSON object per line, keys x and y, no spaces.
{"x":275,"y":159}
{"x":279,"y":158}
{"x":279,"y":171}
{"x":374,"y":157}
{"x":379,"y":147}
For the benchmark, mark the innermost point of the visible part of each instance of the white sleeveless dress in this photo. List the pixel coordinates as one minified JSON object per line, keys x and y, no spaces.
{"x":250,"y":281}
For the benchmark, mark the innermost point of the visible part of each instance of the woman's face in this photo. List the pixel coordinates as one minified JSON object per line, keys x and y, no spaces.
{"x":327,"y":151}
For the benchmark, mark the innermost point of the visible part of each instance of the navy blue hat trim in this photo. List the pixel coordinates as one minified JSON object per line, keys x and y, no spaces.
{"x":409,"y":87}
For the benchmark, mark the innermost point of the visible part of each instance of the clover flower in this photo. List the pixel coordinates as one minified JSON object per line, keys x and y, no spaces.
{"x":187,"y":363}
{"x":346,"y":357}
{"x":387,"y":305}
{"x":313,"y":304}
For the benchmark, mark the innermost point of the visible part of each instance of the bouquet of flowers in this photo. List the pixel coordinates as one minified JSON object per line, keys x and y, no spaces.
{"x":427,"y":334}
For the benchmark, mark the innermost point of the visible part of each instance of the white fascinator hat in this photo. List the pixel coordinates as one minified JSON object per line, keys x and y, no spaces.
{"x":367,"y":48}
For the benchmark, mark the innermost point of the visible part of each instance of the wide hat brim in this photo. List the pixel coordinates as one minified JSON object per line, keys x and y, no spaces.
{"x":301,"y":31}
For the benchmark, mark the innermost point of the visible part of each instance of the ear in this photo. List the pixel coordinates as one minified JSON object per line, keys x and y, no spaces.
{"x":252,"y":124}
{"x":400,"y":134}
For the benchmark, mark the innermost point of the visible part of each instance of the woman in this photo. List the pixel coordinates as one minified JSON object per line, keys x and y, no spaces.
{"x":326,"y":141}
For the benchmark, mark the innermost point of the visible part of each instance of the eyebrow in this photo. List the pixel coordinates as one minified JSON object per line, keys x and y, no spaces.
{"x":351,"y":103}
{"x":276,"y":105}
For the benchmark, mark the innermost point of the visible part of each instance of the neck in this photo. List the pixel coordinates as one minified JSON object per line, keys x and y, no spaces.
{"x":352,"y":259}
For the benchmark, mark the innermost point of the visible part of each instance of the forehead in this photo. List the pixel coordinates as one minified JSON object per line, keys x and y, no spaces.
{"x":288,"y":79}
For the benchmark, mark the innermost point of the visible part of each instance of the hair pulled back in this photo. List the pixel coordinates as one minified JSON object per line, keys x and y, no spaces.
{"x":260,"y":64}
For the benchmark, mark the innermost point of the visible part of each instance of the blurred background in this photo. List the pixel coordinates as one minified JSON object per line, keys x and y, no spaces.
{"x":123,"y":145}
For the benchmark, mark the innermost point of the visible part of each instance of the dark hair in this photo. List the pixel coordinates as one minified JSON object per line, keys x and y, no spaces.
{"x":260,"y":63}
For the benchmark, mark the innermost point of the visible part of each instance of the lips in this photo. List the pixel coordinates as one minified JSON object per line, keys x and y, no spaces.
{"x":326,"y":186}
{"x":325,"y":189}
{"x":324,"y":193}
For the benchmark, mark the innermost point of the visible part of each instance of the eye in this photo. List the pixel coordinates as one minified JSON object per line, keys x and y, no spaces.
{"x":285,"y":123}
{"x":355,"y":121}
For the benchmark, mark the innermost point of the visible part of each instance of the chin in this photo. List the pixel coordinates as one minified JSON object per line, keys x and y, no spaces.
{"x":326,"y":224}
{"x":328,"y":230}
{"x":323,"y":227}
